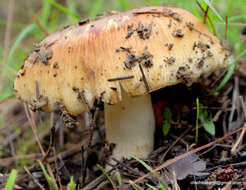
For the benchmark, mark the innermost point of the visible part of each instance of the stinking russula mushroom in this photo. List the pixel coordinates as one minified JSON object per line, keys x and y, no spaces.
{"x":120,"y":59}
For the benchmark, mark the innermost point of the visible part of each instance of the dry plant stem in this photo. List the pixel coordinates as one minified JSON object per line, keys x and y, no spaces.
{"x":34,"y":127}
{"x":232,"y":23}
{"x":97,"y":181}
{"x":57,"y":170}
{"x":173,"y":144}
{"x":9,"y":160}
{"x":71,"y":151}
{"x":8,"y":28}
{"x":235,"y":102}
{"x":167,"y":163}
{"x":239,"y":140}
{"x":30,"y":117}
{"x":205,"y":15}
{"x":46,"y":33}
{"x":130,"y":126}
{"x":7,"y":37}
{"x":34,"y":179}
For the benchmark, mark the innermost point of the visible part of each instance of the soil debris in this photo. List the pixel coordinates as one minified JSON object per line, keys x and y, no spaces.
{"x":170,"y":60}
{"x":144,"y":32}
{"x":145,"y":59}
{"x":169,"y":46}
{"x":130,"y":31}
{"x":184,"y":74}
{"x":84,"y":21}
{"x":178,"y":33}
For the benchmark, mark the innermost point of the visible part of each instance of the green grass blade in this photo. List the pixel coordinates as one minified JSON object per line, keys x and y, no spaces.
{"x":96,"y":7}
{"x":143,"y":163}
{"x":24,"y":33}
{"x":135,"y":186}
{"x":71,"y":185}
{"x":46,"y":10}
{"x":197,"y":118}
{"x":107,"y":175}
{"x":229,"y":72}
{"x":167,"y":121}
{"x":151,"y":187}
{"x":213,"y":9}
{"x":125,"y":5}
{"x":11,"y":180}
{"x":51,"y":182}
{"x":163,"y":188}
{"x":150,"y":169}
{"x":154,"y":2}
{"x":119,"y":180}
{"x":64,"y":9}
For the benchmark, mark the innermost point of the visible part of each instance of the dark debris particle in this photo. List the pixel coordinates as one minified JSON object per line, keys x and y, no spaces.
{"x":210,"y":54}
{"x":113,"y":88}
{"x":144,"y":79}
{"x":145,"y":59}
{"x":202,"y":46}
{"x":165,"y":12}
{"x":100,"y":15}
{"x":33,"y":57}
{"x":178,"y":33}
{"x":84,"y":21}
{"x":130,"y":31}
{"x":44,"y":55}
{"x":148,"y":63}
{"x":169,"y":46}
{"x":200,"y":63}
{"x":55,"y":75}
{"x":184,"y":74}
{"x":190,"y":25}
{"x":120,"y":78}
{"x":190,"y":60}
{"x":177,"y":17}
{"x":75,"y":89}
{"x":22,"y":72}
{"x":65,"y":27}
{"x":194,"y":46}
{"x":243,"y":32}
{"x":55,"y":65}
{"x":69,"y":49}
{"x":130,"y":61}
{"x":128,"y":50}
{"x":170,"y":60}
{"x":170,"y":23}
{"x":67,"y":119}
{"x":143,"y":32}
{"x":38,"y":103}
{"x":174,"y":15}
{"x":36,"y":47}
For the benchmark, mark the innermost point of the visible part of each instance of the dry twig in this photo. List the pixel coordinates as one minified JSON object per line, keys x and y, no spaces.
{"x":167,"y":163}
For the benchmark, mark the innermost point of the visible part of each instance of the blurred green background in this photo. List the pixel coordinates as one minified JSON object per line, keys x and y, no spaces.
{"x":24,"y":22}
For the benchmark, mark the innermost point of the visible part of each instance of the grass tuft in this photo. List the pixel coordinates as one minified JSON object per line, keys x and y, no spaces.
{"x":51,"y":182}
{"x":11,"y":180}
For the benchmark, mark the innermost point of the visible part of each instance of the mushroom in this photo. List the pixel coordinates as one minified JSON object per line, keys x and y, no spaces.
{"x":120,"y":59}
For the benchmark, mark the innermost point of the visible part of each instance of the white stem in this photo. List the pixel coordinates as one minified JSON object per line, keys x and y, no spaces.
{"x":130,"y":125}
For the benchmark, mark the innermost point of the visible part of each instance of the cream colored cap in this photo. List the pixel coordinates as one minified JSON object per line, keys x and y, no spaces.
{"x":138,"y":51}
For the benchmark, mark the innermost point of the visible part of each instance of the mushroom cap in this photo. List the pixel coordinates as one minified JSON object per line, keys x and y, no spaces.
{"x":138,"y":51}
